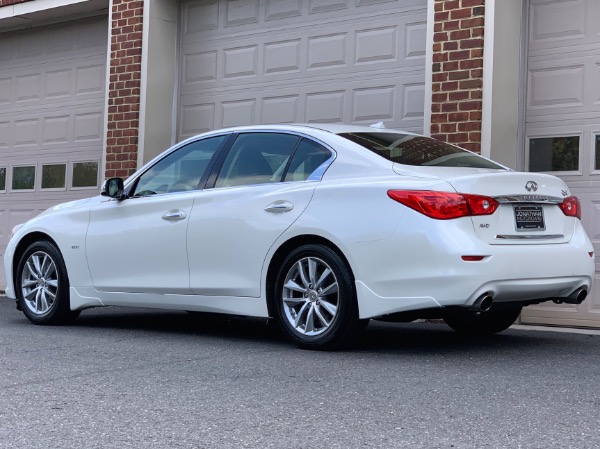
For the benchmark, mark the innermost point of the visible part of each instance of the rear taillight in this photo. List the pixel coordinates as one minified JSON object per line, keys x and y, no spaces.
{"x":571,"y":207}
{"x":445,"y":205}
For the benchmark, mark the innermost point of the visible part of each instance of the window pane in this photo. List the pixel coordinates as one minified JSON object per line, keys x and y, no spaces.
{"x":308,"y":157}
{"x":256,"y":158}
{"x":409,"y":149}
{"x":597,"y":152}
{"x":181,"y":170}
{"x":2,"y":178}
{"x":554,"y":154}
{"x":23,"y":178}
{"x":53,"y":176}
{"x":85,"y":174}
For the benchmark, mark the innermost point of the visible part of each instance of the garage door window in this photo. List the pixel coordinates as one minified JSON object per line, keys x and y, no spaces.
{"x":53,"y":176}
{"x":85,"y":174}
{"x":2,"y":179}
{"x":554,"y":154}
{"x":597,"y":167}
{"x":23,"y":178}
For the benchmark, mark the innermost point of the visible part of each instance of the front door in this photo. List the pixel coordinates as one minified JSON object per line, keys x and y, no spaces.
{"x":139,"y":244}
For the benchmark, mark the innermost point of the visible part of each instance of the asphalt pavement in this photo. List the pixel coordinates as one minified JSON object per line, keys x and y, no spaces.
{"x":138,"y":378}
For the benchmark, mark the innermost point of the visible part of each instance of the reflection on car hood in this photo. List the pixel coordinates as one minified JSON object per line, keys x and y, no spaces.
{"x":68,"y":205}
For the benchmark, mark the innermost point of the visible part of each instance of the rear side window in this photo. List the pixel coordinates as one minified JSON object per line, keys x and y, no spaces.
{"x":308,"y":157}
{"x":417,"y":150}
{"x":257,"y":158}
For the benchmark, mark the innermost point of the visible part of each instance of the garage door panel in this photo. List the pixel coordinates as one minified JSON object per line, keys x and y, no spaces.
{"x":52,"y":92}
{"x":31,"y":134}
{"x":241,"y":16}
{"x":564,"y":100}
{"x":53,"y":83}
{"x":567,"y":86}
{"x":309,"y":52}
{"x":352,"y":101}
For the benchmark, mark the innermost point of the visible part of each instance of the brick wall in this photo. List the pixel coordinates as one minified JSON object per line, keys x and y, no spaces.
{"x":124,"y":88}
{"x":11,"y":2}
{"x":458,"y":72}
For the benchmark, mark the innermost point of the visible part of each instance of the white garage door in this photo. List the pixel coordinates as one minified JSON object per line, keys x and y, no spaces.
{"x":52,"y":83}
{"x":281,"y":61}
{"x":563,"y":123}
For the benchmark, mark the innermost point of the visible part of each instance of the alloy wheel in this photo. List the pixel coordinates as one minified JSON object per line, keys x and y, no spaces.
{"x":310,"y":296}
{"x":39,"y":283}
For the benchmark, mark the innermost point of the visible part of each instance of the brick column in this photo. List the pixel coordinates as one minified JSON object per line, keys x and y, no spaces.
{"x":12,"y":2}
{"x":458,"y":72}
{"x":124,"y":87}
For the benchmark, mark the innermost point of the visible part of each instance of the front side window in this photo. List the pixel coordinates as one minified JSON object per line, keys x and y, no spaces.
{"x":409,"y":149}
{"x":257,"y":158}
{"x":181,"y":170}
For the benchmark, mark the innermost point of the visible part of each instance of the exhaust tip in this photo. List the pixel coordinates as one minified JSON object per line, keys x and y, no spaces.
{"x":581,"y":295}
{"x":483,"y":303}
{"x":486,"y":303}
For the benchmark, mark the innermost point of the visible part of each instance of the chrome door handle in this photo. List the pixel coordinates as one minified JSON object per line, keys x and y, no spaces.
{"x":174,"y":215}
{"x":279,"y":206}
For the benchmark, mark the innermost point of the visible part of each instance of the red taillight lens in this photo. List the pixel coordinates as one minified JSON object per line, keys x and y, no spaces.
{"x":444,"y":205}
{"x":571,"y":207}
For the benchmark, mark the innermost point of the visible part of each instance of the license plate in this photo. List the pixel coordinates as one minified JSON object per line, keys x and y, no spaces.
{"x":529,"y":218}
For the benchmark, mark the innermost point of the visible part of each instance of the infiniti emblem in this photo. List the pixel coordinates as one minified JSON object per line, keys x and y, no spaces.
{"x":531,"y":186}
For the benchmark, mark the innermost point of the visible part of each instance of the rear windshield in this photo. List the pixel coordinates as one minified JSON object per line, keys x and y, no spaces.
{"x":417,"y":150}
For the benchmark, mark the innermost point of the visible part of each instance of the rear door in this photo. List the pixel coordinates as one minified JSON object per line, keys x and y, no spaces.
{"x":261,"y":187}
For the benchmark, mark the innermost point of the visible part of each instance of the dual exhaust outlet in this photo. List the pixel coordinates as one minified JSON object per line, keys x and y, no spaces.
{"x":485,"y":302}
{"x":576,"y":297}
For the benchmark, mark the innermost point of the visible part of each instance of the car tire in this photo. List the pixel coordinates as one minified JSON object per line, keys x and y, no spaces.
{"x":42,"y":285}
{"x":315,"y":299}
{"x":469,"y":322}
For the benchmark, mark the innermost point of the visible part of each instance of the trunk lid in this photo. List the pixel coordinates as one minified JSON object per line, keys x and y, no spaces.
{"x":529,"y":211}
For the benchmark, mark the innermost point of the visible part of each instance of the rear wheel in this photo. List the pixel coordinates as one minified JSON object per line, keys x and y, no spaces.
{"x":315,"y":299}
{"x":42,"y":285}
{"x":481,"y":323}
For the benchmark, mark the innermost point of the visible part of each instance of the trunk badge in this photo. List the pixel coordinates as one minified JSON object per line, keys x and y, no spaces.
{"x":531,"y":186}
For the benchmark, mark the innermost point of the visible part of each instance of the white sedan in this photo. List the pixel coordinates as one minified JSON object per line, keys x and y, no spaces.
{"x":320,"y":227}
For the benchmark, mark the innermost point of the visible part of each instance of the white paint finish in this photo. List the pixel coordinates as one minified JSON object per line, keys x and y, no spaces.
{"x":230,"y":262}
{"x":329,"y":56}
{"x":564,"y":53}
{"x":140,"y":221}
{"x":401,"y":260}
{"x":52,"y":107}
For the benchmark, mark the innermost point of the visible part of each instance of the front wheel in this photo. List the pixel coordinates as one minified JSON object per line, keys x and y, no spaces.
{"x":42,"y":285}
{"x":315,"y":299}
{"x":481,"y":323}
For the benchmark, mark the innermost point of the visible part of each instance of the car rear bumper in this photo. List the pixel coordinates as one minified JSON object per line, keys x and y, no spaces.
{"x":412,"y":271}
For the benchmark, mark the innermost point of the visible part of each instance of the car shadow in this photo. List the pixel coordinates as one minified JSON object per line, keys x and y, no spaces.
{"x":406,"y":338}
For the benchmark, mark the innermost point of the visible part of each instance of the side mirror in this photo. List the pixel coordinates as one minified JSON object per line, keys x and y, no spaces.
{"x":113,"y":188}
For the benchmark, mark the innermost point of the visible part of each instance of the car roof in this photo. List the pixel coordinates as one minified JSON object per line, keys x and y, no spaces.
{"x":335,"y":128}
